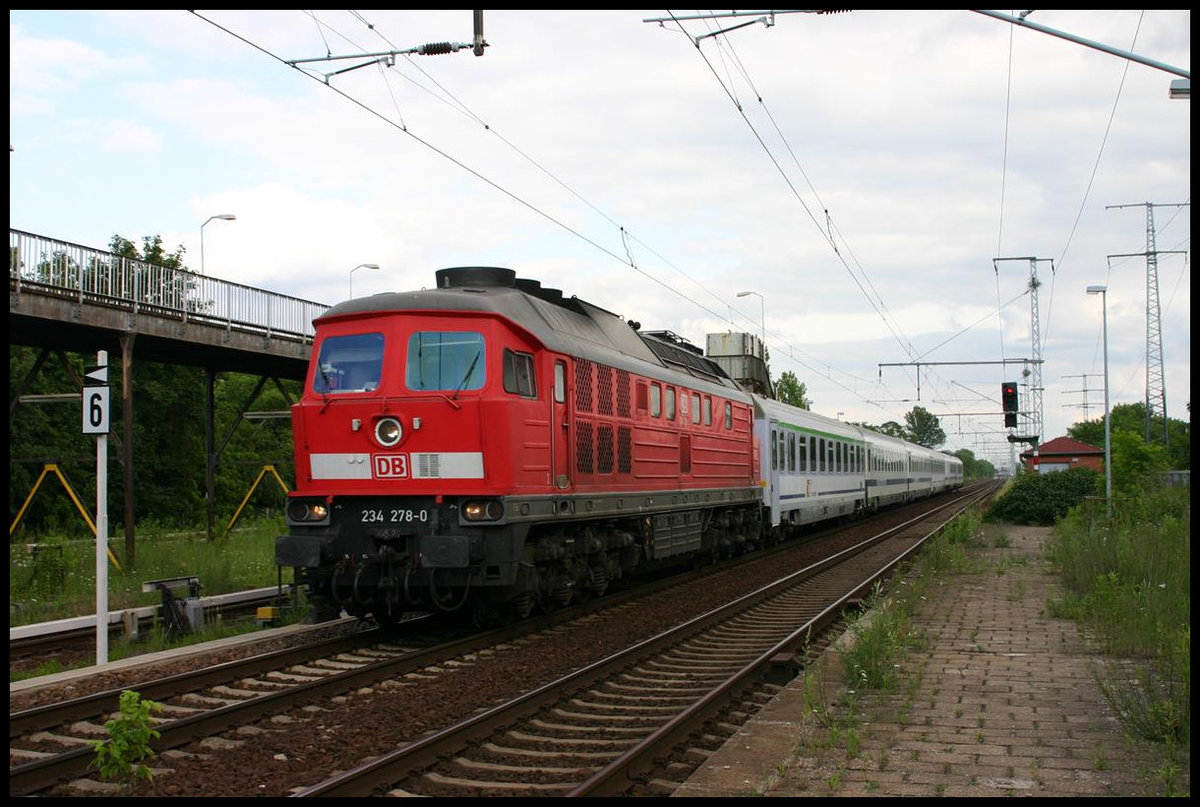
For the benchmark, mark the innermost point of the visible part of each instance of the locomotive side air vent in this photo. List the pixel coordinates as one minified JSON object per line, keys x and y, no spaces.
{"x":460,"y":276}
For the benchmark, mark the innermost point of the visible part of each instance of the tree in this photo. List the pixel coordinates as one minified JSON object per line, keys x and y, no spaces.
{"x":1132,"y":418}
{"x":790,"y":391}
{"x":892,"y":429}
{"x":1136,"y":464}
{"x":924,"y":428}
{"x":974,"y":468}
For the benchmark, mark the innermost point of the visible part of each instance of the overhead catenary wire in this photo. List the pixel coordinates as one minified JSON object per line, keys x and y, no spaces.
{"x":827,"y":232}
{"x":623,"y":232}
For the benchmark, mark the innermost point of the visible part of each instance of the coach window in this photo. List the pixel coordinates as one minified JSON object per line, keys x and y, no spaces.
{"x":560,"y":382}
{"x":642,"y":397}
{"x":695,"y":407}
{"x":774,"y":452}
{"x":820,"y":455}
{"x":670,"y":403}
{"x":655,"y":400}
{"x":518,"y":374}
{"x":707,"y":411}
{"x":728,"y":415}
{"x":803,"y":453}
{"x":830,"y":449}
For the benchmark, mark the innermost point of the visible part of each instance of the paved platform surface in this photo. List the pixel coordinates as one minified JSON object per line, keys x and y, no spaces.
{"x":1000,"y":701}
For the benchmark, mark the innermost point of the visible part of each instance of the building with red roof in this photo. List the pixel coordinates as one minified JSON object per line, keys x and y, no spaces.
{"x":1062,"y":454}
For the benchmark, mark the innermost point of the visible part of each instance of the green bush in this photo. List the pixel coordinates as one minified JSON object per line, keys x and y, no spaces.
{"x":1043,"y":499}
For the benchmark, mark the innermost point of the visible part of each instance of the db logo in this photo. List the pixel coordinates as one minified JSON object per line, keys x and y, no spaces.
{"x":390,"y":466}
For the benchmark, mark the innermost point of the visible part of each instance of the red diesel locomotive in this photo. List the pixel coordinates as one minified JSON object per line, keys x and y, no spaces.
{"x":490,"y":446}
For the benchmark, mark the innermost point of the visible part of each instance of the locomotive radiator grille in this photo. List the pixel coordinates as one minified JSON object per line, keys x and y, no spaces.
{"x":583,"y":385}
{"x":583,"y":447}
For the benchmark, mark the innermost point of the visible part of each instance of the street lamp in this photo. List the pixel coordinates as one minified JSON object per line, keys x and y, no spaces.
{"x":355,"y":269}
{"x":223,"y":217}
{"x":1103,"y":292}
{"x":762,"y":307}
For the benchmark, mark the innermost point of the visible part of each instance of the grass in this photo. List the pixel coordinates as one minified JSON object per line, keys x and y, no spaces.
{"x":1129,"y":582}
{"x":55,"y":579}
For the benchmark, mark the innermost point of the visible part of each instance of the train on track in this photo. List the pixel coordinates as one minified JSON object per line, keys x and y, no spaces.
{"x":490,"y":446}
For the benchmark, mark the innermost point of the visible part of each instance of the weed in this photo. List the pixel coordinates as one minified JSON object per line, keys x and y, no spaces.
{"x":1018,"y":591}
{"x":834,"y":780}
{"x":120,"y":756}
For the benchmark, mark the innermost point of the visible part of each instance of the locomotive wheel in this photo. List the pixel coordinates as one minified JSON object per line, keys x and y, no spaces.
{"x":485,"y":615}
{"x":522,"y":605}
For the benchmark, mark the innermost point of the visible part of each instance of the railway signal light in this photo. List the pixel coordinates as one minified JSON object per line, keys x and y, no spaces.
{"x":1008,"y":397}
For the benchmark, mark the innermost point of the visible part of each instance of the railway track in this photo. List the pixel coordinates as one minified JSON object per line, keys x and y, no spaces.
{"x":49,"y":745}
{"x":76,"y":636}
{"x":604,"y":730}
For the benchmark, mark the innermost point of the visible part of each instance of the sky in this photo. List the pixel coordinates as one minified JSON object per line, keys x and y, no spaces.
{"x":889,"y":186}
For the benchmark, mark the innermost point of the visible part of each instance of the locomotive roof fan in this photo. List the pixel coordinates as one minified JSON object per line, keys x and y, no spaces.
{"x":459,"y":276}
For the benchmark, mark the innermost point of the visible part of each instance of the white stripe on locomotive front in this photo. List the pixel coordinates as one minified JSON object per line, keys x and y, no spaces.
{"x":421,"y":465}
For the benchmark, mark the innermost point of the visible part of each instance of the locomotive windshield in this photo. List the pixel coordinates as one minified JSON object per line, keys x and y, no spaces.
{"x":349,"y":364}
{"x":446,"y":361}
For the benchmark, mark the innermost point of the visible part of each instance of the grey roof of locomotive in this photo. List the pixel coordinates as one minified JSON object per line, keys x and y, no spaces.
{"x":562,"y":324}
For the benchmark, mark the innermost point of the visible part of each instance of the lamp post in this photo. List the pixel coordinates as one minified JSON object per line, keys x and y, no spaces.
{"x":1103,"y":292}
{"x":223,"y":217}
{"x":762,"y":308}
{"x":355,"y":269}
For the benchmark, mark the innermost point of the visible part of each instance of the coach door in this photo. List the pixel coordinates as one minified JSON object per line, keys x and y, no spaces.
{"x":560,"y":435}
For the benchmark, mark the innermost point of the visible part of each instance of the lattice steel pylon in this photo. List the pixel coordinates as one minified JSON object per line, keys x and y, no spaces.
{"x":1156,"y":384}
{"x":1033,"y":415}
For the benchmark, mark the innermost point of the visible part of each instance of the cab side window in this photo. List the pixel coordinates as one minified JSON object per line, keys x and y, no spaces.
{"x":518,"y":374}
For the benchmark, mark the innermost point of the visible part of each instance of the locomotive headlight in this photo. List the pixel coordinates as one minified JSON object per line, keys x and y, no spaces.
{"x":490,"y":510}
{"x":307,"y":511}
{"x":388,"y":432}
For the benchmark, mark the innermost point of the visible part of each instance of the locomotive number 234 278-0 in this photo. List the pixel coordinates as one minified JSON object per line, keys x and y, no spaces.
{"x":392,"y":515}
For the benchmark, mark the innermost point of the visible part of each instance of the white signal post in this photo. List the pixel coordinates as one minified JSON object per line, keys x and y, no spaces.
{"x":95,"y":421}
